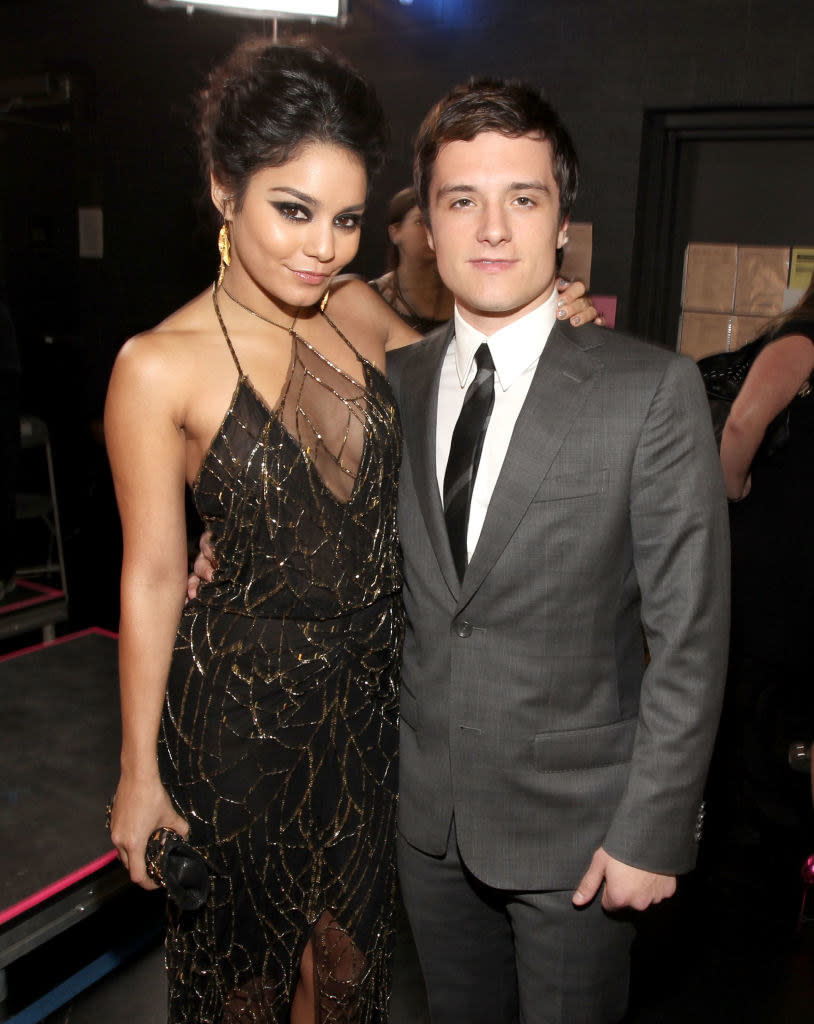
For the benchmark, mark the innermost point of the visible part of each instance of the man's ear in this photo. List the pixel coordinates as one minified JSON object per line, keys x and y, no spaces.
{"x":562,"y":234}
{"x":430,"y":239}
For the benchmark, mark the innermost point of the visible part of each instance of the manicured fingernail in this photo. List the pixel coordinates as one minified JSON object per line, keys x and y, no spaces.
{"x":576,"y":320}
{"x":562,"y":282}
{"x":560,"y":303}
{"x":561,"y":313}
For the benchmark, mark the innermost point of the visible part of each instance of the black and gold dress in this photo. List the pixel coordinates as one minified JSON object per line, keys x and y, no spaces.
{"x":279,"y":734}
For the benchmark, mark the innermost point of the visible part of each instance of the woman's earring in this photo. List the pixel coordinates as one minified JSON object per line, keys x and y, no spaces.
{"x":223,"y":249}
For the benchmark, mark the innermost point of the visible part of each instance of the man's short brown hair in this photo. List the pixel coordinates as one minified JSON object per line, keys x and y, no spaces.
{"x":510,"y":108}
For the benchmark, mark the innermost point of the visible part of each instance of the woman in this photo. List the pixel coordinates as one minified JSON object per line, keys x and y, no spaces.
{"x":412,"y":285}
{"x":775,"y":379}
{"x":274,"y":702}
{"x":760,"y":822}
{"x":278,"y":734}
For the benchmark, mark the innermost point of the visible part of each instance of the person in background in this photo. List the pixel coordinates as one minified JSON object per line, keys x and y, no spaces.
{"x":411,"y":285}
{"x":760,"y":821}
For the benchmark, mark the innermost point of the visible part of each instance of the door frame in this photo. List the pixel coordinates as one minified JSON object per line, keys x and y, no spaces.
{"x":664,"y":134}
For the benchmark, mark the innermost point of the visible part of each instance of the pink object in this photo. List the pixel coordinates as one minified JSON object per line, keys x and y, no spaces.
{"x":38,"y":592}
{"x":57,"y":887}
{"x":97,"y":630}
{"x":606,"y":307}
{"x":807,"y":874}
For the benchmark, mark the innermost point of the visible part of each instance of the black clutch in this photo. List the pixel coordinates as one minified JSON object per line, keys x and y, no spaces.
{"x":178,"y":867}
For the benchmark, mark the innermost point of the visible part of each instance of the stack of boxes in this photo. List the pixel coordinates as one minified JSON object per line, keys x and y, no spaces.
{"x":730,"y":293}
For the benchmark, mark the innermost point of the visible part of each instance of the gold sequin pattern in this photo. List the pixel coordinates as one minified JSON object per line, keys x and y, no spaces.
{"x":279,"y":733}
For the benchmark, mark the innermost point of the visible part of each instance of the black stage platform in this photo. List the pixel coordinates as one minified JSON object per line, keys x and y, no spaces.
{"x":82,"y":945}
{"x":29,"y":606}
{"x":59,"y":756}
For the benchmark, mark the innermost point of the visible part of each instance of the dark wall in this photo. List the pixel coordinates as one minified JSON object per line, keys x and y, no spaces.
{"x":125,"y":142}
{"x":602,"y":63}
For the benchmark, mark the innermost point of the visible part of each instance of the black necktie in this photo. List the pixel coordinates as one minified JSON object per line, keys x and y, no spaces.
{"x":464,"y":454}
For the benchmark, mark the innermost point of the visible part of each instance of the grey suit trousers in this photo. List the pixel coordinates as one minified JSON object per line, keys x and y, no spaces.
{"x":492,"y":956}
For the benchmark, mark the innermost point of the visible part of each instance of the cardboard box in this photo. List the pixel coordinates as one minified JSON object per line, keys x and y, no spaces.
{"x":763,"y":272}
{"x":703,"y":334}
{"x":710,"y":274}
{"x":747,"y":328}
{"x":577,"y":252}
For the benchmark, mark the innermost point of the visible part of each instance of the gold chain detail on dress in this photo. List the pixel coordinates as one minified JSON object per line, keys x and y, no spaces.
{"x":280,"y":728}
{"x":254,"y":312}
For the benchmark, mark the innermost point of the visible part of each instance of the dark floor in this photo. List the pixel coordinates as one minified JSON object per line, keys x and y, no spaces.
{"x":695,"y":960}
{"x":685,"y":970}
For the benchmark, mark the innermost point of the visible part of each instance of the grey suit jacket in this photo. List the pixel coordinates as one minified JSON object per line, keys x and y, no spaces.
{"x":527,"y":707}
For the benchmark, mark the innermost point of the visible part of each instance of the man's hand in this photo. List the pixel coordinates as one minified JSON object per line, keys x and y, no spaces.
{"x":575,"y":305}
{"x":205,"y":564}
{"x":625,"y":886}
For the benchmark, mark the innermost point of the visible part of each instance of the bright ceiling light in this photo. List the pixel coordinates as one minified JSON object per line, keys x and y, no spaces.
{"x":334,"y":10}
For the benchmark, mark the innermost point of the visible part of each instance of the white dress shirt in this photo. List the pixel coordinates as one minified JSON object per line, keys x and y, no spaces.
{"x":515,"y":351}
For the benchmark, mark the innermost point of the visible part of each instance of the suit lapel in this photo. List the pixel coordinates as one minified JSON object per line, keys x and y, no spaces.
{"x":560,"y":386}
{"x":418,"y":402}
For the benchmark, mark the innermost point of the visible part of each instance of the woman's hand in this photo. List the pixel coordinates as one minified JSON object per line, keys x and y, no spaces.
{"x":575,"y":305}
{"x":742,"y":492}
{"x":139,"y":808}
{"x":203,"y":571}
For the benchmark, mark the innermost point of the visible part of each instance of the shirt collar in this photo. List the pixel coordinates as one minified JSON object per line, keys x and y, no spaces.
{"x":514,"y":348}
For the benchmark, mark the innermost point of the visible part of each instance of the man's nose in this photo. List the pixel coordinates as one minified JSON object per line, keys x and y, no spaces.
{"x":494,"y":224}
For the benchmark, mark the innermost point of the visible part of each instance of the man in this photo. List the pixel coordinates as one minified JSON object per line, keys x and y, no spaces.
{"x":550,"y":777}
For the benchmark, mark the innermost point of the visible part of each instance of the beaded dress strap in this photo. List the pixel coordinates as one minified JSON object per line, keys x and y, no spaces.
{"x":223,"y":328}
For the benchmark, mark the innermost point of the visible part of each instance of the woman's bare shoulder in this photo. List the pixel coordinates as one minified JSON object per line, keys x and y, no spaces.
{"x":172,"y":344}
{"x":350,"y":288}
{"x":384,"y":284}
{"x":787,"y":353}
{"x":372,"y":320}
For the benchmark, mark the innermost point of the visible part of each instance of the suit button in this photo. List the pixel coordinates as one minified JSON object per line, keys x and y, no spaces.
{"x":463,"y":629}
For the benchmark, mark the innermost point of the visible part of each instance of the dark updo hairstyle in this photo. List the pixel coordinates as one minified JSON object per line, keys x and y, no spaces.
{"x":397,"y":209}
{"x":267,"y":100}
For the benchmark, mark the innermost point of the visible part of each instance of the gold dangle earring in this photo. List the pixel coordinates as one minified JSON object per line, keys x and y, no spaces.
{"x":223,"y":249}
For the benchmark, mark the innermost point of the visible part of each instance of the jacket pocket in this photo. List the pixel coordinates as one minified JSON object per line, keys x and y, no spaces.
{"x":580,"y":749}
{"x":572,"y":485}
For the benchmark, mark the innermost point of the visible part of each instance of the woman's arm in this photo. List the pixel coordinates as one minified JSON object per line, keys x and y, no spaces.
{"x":775,"y":377}
{"x":146,"y":449}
